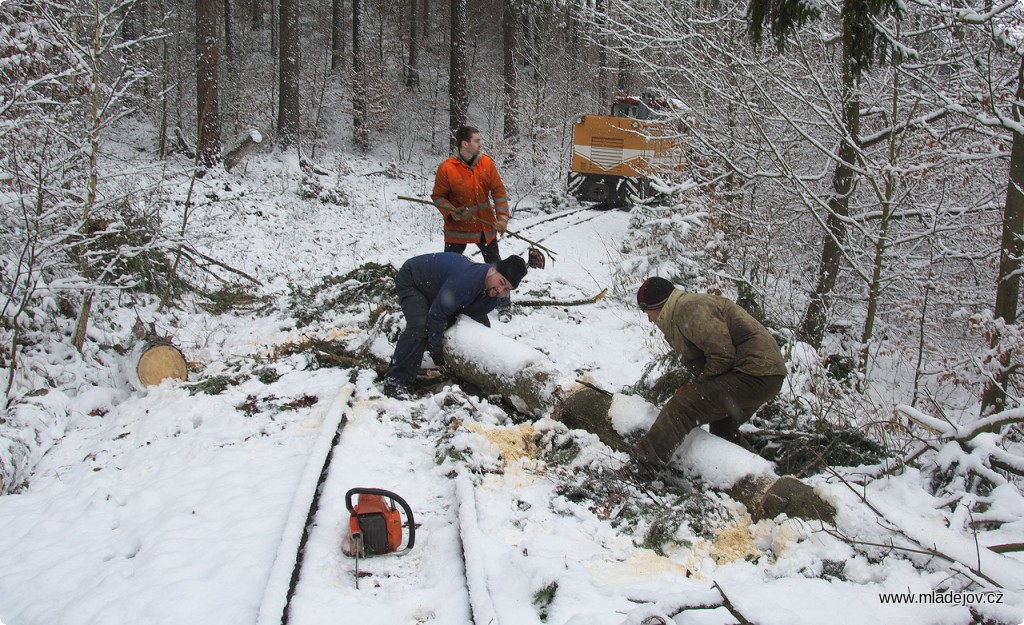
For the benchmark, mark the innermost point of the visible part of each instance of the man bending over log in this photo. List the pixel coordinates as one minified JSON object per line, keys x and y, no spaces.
{"x":434,"y":289}
{"x":736,"y":362}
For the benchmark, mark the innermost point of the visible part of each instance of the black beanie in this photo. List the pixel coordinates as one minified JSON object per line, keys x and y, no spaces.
{"x":653,"y":293}
{"x":513,"y":268}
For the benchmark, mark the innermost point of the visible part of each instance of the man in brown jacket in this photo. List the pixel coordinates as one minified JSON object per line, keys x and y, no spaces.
{"x":736,"y":362}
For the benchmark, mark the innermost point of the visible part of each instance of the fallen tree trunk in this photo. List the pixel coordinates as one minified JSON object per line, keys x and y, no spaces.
{"x":530,"y":381}
{"x":501,"y":366}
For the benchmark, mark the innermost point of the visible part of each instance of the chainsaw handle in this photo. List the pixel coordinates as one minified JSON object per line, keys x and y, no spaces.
{"x":411,"y":524}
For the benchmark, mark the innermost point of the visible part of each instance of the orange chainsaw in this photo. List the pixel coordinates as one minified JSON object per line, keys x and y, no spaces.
{"x":376,"y":524}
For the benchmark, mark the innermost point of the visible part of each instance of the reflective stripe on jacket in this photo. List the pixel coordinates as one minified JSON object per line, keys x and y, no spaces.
{"x":460,"y":185}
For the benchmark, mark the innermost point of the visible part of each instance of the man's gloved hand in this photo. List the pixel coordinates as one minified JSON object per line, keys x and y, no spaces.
{"x":535,"y":258}
{"x":462,"y":214}
{"x":501,"y":224}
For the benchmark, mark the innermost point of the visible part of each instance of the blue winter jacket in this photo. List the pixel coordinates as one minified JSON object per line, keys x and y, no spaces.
{"x":453,"y":284}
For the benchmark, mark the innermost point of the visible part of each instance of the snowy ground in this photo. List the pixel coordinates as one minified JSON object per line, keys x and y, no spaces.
{"x":166,"y":506}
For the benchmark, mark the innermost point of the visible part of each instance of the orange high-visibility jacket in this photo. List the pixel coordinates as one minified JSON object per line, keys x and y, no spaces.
{"x":458,"y":185}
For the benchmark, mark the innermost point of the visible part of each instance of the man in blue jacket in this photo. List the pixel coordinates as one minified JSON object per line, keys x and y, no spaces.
{"x":433,"y":290}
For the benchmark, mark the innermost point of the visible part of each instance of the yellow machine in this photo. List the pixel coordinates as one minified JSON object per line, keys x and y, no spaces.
{"x":614,"y":156}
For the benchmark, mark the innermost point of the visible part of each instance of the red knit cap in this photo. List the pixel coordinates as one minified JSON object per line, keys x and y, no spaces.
{"x":653,"y":293}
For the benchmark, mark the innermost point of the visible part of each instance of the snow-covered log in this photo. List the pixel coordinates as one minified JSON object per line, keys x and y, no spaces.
{"x":719,"y":464}
{"x":502,"y":366}
{"x":529,"y":380}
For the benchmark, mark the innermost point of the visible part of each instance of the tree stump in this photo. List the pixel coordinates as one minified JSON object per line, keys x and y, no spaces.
{"x":240,"y":147}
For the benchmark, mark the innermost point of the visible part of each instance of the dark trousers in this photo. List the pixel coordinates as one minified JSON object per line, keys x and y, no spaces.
{"x":491,"y":255}
{"x":726,"y":402}
{"x":488,"y":251}
{"x":405,"y":363}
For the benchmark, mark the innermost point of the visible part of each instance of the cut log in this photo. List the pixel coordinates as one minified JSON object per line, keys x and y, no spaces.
{"x":499,"y":365}
{"x":530,"y":381}
{"x":153,"y":358}
{"x":240,"y":147}
{"x":161,"y":362}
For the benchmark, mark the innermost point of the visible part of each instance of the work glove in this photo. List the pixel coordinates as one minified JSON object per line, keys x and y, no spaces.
{"x":501,"y":225}
{"x":535,"y":258}
{"x":462,"y":214}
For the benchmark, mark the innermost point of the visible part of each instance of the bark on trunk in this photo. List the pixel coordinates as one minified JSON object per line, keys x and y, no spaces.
{"x":458,"y":79}
{"x":511,"y":103}
{"x":288,"y":96}
{"x":412,"y":77}
{"x":208,"y":35}
{"x":1011,"y":249}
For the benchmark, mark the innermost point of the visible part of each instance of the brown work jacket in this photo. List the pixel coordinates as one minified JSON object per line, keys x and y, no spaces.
{"x":715,"y":335}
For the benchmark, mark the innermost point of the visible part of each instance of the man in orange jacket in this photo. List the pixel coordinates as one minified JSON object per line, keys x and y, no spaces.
{"x":465,"y":185}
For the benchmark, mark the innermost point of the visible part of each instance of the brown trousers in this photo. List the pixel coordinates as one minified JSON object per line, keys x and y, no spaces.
{"x":726,"y":402}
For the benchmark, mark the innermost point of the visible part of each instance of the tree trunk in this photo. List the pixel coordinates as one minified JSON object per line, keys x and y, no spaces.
{"x":337,"y":34}
{"x":229,"y":48}
{"x":130,"y":29}
{"x":511,"y":102}
{"x":412,"y":78}
{"x":208,"y":16}
{"x":458,"y":79}
{"x":1010,"y":252}
{"x":85,"y":311}
{"x":602,"y":54}
{"x":288,"y":97}
{"x":624,"y":85}
{"x":360,"y":131}
{"x":165,"y":78}
{"x":812,"y":326}
{"x":881,"y":246}
{"x":256,"y":14}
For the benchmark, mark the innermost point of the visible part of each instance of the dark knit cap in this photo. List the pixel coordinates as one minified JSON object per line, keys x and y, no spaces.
{"x":513,"y":268}
{"x":653,"y":293}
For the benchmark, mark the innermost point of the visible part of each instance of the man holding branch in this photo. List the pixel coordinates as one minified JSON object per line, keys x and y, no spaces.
{"x":465,"y":186}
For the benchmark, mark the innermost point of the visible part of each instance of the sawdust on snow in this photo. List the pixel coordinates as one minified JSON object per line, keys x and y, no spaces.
{"x":513,"y":443}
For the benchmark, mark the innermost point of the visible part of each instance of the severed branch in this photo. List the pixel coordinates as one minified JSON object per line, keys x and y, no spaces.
{"x":1007,"y":548}
{"x":895,"y":529}
{"x":728,"y":605}
{"x":595,"y":387}
{"x":538,"y":303}
{"x":510,"y":233}
{"x":194,"y":251}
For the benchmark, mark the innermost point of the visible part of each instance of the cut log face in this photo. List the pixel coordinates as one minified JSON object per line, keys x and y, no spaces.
{"x":160,"y":362}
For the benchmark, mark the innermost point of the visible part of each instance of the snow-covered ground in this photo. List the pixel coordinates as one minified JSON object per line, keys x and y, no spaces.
{"x":174,"y":506}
